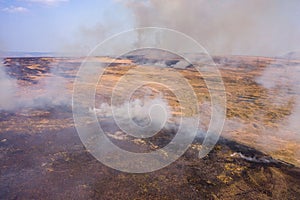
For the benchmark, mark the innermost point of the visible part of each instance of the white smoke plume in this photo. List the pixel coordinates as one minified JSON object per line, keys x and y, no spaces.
{"x":152,"y":113}
{"x":281,"y":78}
{"x":54,"y":93}
{"x":141,"y":111}
{"x":8,"y":88}
{"x":49,"y":92}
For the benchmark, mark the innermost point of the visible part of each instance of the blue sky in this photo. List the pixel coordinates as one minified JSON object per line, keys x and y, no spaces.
{"x":252,"y":27}
{"x":43,"y":25}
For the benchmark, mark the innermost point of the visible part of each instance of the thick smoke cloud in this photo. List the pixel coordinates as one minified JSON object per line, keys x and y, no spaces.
{"x":232,"y":27}
{"x":225,"y":27}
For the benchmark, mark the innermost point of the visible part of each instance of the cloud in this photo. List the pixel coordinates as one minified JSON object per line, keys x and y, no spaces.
{"x":48,"y":2}
{"x":15,"y":9}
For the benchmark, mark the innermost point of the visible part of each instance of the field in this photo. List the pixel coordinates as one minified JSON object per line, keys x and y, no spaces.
{"x":256,"y":157}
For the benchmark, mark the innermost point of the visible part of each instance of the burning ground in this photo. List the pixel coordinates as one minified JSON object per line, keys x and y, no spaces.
{"x":257,"y":156}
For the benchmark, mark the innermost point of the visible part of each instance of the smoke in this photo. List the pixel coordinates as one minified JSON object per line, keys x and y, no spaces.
{"x":225,"y":27}
{"x":143,"y":112}
{"x":246,"y":27}
{"x":8,"y":88}
{"x":182,"y":64}
{"x":281,"y":78}
{"x":87,"y":37}
{"x":49,"y":92}
{"x":150,"y":114}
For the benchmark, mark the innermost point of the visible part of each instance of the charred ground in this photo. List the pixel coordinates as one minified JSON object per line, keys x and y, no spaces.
{"x":42,"y":156}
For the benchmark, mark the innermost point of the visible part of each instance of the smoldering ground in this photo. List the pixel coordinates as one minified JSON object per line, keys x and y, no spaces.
{"x":48,"y":92}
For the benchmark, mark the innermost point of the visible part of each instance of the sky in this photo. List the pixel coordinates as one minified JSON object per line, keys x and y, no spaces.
{"x":52,"y":25}
{"x":251,"y":27}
